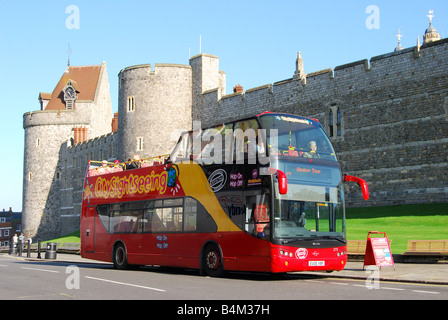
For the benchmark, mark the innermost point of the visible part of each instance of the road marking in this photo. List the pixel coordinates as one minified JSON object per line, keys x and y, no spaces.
{"x":340,"y":283}
{"x":396,"y":289}
{"x":313,"y":281}
{"x":126,"y":284}
{"x":421,"y":291}
{"x":3,"y":265}
{"x":47,"y":295}
{"x":35,"y":269}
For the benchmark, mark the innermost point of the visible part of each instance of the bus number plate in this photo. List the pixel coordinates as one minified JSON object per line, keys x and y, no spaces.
{"x":316,"y":263}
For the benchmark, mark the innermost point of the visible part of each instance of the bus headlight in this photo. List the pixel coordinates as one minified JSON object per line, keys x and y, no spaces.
{"x":286,"y":253}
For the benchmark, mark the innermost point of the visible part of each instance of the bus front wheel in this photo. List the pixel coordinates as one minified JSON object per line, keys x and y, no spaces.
{"x":120,"y":257}
{"x":212,"y":261}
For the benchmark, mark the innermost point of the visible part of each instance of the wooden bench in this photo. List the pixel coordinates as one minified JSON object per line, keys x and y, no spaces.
{"x":356,"y":247}
{"x":69,"y":248}
{"x":427,"y":247}
{"x":60,"y":247}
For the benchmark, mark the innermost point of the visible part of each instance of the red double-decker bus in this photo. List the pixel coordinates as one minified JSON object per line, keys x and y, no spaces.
{"x":258,"y":194}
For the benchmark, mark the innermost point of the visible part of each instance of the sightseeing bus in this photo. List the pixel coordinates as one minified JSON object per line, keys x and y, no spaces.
{"x":262,"y":194}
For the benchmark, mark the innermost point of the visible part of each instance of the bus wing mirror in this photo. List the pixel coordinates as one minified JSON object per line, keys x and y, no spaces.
{"x":282,"y":180}
{"x":362,"y":183}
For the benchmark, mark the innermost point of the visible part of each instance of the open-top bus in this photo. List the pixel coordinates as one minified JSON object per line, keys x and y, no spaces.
{"x":258,"y":194}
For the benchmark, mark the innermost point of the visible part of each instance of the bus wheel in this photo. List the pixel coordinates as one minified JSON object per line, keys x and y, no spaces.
{"x":212,"y":261}
{"x":120,"y":258}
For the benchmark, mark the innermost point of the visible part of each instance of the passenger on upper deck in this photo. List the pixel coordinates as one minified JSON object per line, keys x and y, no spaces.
{"x":104,"y":168}
{"x":117,"y":167}
{"x":135,"y":163}
{"x":313,"y":151}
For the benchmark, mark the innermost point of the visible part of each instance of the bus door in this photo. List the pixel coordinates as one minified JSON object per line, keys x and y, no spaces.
{"x":90,"y":229}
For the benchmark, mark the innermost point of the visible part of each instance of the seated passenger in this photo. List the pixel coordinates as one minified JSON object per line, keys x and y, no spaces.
{"x":313,"y":151}
{"x":117,"y":167}
{"x":135,"y":163}
{"x":104,"y":168}
{"x":146,"y":163}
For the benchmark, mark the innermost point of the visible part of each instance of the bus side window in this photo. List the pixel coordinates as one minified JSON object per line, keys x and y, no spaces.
{"x":258,"y":214}
{"x":261,"y":217}
{"x":197,"y":219}
{"x":156,"y":221}
{"x":148,"y":212}
{"x":103,"y":213}
{"x":190,"y":215}
{"x":114,"y":221}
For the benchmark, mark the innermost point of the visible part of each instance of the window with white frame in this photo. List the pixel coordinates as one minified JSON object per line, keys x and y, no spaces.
{"x":131,"y":104}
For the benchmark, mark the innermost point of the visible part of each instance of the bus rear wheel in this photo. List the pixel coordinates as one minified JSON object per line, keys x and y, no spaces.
{"x":120,"y":257}
{"x":212,"y":261}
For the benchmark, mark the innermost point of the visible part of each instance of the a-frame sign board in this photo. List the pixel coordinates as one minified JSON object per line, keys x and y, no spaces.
{"x":378,"y":251}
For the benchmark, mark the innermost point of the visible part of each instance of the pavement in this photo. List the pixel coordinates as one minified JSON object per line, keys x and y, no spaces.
{"x":434,"y":273}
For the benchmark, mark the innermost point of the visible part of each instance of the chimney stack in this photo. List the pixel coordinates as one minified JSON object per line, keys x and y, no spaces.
{"x":238,"y":89}
{"x":115,"y":122}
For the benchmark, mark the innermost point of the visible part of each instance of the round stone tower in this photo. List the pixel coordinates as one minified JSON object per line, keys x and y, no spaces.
{"x":152,"y":106}
{"x":44,"y":133}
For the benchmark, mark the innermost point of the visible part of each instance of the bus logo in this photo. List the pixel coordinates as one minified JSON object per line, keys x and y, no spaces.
{"x":217,"y":180}
{"x":301,"y":253}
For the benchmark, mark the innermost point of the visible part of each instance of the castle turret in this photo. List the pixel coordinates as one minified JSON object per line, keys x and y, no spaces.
{"x":431,"y":33}
{"x":300,"y":70}
{"x":153,"y":105}
{"x":399,"y":46}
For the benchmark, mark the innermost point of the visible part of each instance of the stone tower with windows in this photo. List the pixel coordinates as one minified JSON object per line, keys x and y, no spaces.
{"x":152,"y":104}
{"x":78,"y":109}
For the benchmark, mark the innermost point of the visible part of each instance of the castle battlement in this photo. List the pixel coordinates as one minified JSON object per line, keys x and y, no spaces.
{"x":105,"y":139}
{"x":54,"y":117}
{"x":158,"y":68}
{"x":383,"y":71}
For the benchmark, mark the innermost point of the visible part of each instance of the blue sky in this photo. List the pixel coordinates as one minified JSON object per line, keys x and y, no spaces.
{"x":257,"y":43}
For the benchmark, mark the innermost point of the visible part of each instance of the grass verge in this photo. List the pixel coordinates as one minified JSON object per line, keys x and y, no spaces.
{"x":401,"y":223}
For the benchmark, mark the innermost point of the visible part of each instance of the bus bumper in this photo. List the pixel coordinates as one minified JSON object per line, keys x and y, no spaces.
{"x":291,"y":259}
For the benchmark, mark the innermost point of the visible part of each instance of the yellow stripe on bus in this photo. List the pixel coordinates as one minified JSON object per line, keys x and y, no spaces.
{"x":197,"y":188}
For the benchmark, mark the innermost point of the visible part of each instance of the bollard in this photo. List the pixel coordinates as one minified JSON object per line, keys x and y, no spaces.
{"x":38,"y":249}
{"x":19,"y":244}
{"x":28,"y":251}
